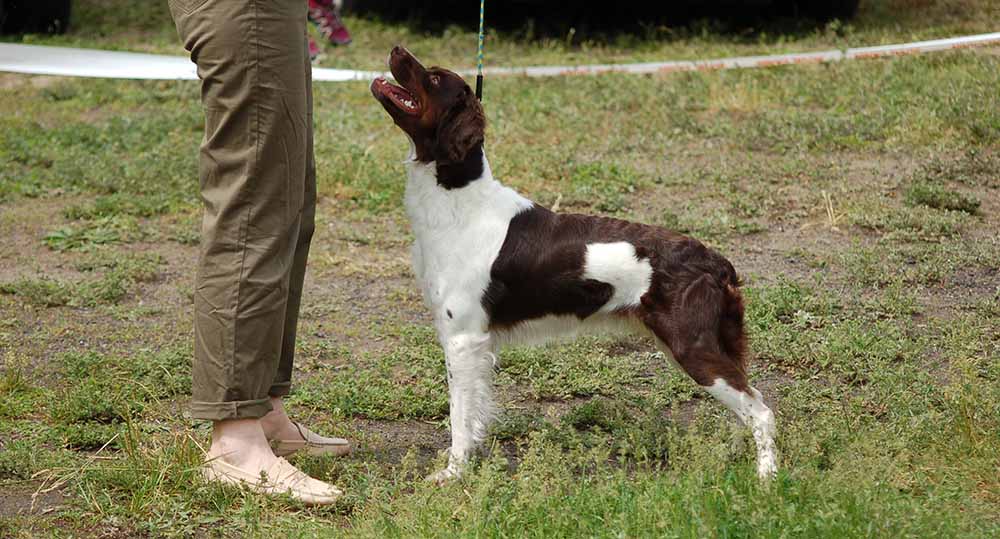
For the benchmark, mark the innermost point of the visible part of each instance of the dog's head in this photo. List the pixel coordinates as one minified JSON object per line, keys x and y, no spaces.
{"x":435,"y":107}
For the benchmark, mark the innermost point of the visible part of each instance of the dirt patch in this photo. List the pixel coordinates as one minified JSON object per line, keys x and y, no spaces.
{"x":26,"y":499}
{"x":961,"y":290}
{"x":626,"y":346}
{"x":389,"y":441}
{"x":23,"y":227}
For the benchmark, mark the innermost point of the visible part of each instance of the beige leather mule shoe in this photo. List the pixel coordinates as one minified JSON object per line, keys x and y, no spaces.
{"x":311,"y":443}
{"x":280,"y":478}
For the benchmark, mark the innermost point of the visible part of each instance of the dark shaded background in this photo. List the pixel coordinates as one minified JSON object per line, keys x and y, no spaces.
{"x":548,"y":17}
{"x":527,"y":17}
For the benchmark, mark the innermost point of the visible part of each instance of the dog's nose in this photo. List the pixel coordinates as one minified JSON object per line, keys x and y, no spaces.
{"x":401,"y":52}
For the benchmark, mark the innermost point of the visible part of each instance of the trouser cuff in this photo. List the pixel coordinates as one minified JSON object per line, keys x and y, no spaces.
{"x":218,"y":411}
{"x":280,"y":389}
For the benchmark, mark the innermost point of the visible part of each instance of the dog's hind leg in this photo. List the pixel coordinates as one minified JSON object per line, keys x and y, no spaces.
{"x":469,"y":359}
{"x":749,"y":405}
{"x":704,"y":333}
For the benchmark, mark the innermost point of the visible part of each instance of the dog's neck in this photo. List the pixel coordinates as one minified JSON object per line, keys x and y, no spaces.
{"x":431,"y":205}
{"x":452,"y":180}
{"x":451,"y":175}
{"x":457,"y":175}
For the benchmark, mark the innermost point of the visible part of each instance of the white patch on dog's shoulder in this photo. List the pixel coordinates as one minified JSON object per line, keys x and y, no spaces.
{"x":617,"y":264}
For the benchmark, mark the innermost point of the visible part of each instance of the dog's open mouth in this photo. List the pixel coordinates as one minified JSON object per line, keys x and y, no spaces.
{"x":397,"y":95}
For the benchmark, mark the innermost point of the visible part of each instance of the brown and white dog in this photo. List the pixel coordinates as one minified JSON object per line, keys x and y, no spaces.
{"x":496,"y":268}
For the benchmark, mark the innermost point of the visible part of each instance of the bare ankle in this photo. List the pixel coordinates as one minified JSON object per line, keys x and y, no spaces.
{"x":241,"y":442}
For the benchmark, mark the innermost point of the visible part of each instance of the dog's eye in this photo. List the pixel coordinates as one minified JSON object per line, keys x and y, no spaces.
{"x":435,"y":80}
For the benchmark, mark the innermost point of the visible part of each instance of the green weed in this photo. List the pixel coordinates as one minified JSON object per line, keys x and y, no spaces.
{"x":22,"y":458}
{"x":908,"y":223}
{"x":939,"y":197}
{"x":42,"y":292}
{"x":109,"y":230}
{"x":20,"y":394}
{"x":710,"y":226}
{"x":406,"y":383}
{"x":886,"y":262}
{"x":120,"y":275}
{"x":580,"y":368}
{"x":596,"y":413}
{"x":118,"y":204}
{"x":974,"y":167}
{"x":514,"y":425}
{"x":601,"y":186}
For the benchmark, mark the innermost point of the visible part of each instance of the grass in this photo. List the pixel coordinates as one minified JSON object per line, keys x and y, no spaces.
{"x":939,"y":197}
{"x":857,"y":200}
{"x":119,"y":275}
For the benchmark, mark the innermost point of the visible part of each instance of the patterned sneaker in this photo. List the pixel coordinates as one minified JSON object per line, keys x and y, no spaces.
{"x":324,"y":14}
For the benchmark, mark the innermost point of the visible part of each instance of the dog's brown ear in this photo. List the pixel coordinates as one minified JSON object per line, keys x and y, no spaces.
{"x":460,"y":129}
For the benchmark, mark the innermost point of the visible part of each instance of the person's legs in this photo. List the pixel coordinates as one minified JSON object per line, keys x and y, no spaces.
{"x":307,"y":225}
{"x":258,"y":209}
{"x":276,"y":424}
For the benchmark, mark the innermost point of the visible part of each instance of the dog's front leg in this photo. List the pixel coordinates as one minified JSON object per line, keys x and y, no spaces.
{"x":469,"y":359}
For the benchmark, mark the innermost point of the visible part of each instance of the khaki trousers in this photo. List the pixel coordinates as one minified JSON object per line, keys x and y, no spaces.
{"x":258,"y":185}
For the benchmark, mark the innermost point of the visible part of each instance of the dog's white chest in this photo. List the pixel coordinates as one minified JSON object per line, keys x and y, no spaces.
{"x":458,"y":232}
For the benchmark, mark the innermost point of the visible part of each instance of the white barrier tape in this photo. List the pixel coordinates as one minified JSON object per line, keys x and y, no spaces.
{"x":753,"y":61}
{"x":43,"y":60}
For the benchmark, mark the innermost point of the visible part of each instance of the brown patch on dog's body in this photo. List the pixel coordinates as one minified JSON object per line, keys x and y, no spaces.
{"x":693,"y":305}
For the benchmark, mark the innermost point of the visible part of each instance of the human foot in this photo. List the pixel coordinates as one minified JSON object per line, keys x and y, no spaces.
{"x":241,"y":455}
{"x":279,"y":478}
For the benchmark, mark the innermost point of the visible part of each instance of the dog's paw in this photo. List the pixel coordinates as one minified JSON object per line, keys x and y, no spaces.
{"x":441,"y":477}
{"x":767,"y":469}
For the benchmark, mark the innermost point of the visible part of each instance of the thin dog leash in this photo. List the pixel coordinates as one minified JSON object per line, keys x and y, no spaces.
{"x":479,"y":73}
